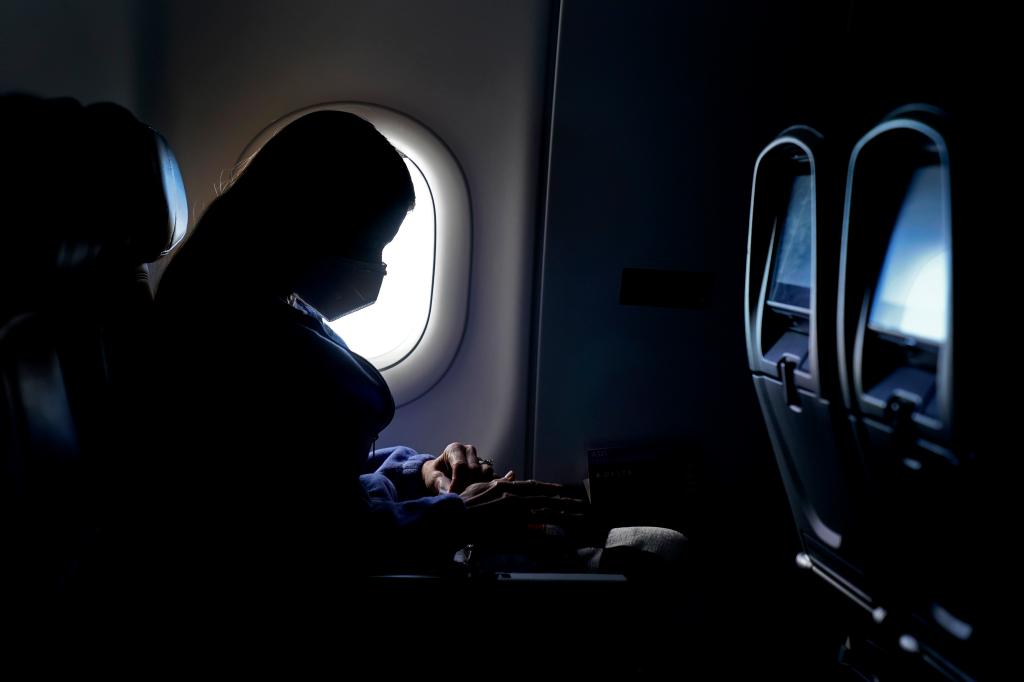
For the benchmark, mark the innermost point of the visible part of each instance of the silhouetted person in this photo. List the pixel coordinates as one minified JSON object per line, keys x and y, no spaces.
{"x":269,"y":461}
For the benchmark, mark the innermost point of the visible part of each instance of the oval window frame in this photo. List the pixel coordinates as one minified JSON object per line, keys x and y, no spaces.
{"x":426,"y":362}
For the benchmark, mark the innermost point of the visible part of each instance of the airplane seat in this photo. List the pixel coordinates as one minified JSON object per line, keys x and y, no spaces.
{"x":792,"y":262}
{"x":901,"y":288}
{"x":91,"y":195}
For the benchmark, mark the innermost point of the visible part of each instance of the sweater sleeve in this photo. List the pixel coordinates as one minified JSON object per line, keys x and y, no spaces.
{"x":401,"y":466}
{"x":402,"y":510}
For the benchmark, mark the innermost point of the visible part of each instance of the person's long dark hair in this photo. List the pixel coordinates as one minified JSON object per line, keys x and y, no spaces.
{"x":328,"y":182}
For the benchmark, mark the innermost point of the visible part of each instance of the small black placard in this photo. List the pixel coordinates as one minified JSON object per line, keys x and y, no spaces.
{"x":666,"y":288}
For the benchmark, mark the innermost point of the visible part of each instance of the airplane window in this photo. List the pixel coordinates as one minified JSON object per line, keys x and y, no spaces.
{"x":913,"y":291}
{"x":414,"y":329}
{"x":392,"y":326}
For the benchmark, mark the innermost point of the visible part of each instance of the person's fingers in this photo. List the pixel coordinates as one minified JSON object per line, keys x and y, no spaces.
{"x":529,"y":492}
{"x":498,"y":495}
{"x":508,"y":486}
{"x":456,"y":457}
{"x":480,"y":468}
{"x":496,"y":502}
{"x":440,"y":483}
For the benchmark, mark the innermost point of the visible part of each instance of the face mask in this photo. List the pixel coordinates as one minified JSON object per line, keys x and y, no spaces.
{"x":339,"y":286}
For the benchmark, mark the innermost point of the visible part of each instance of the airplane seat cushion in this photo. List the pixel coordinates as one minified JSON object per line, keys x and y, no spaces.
{"x":46,"y":477}
{"x":91,"y":195}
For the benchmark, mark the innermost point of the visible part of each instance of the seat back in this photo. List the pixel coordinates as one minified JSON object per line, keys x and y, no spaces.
{"x":898,"y":307}
{"x":91,"y":195}
{"x":790,"y":327}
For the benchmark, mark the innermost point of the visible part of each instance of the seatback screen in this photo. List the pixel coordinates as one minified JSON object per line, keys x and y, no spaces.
{"x":912,"y":297}
{"x":791,"y":274}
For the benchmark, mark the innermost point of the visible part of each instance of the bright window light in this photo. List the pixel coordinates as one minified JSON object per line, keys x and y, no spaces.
{"x":387,"y":331}
{"x":414,"y":330}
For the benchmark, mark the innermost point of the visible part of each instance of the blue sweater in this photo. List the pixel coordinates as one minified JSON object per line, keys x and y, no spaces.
{"x":394,"y":486}
{"x":272,"y":460}
{"x":411,"y":526}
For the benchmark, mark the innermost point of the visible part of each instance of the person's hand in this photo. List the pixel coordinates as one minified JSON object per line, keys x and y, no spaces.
{"x":455,"y":469}
{"x":505,"y":504}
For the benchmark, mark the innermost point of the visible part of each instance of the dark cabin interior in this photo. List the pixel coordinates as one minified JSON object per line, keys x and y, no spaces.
{"x":632,"y":169}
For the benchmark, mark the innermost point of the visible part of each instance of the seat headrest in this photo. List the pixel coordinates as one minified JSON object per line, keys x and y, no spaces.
{"x":85,"y":190}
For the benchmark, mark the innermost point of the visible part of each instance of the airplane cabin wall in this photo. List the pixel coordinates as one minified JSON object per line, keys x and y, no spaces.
{"x":660,"y":111}
{"x":80,"y":49}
